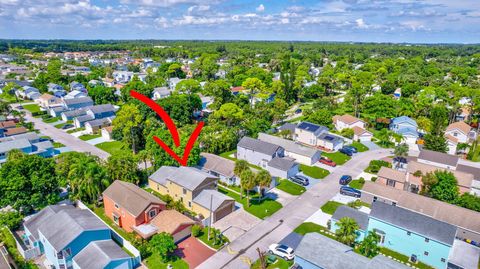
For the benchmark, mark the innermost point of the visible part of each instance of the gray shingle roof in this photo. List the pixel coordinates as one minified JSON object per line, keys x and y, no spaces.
{"x":187,"y":177}
{"x":220,"y":165}
{"x":283,"y":164}
{"x":345,"y":211}
{"x":100,"y":122}
{"x":132,"y":198}
{"x":101,"y":108}
{"x":438,"y":157}
{"x":335,"y":255}
{"x":203,"y":199}
{"x":30,"y":136}
{"x":84,"y":118}
{"x":258,"y":145}
{"x":33,"y":222}
{"x":414,"y":222}
{"x":288,"y":126}
{"x":74,"y":113}
{"x":98,"y":254}
{"x":79,"y":100}
{"x":288,"y":145}
{"x":311,"y":127}
{"x":14,"y":144}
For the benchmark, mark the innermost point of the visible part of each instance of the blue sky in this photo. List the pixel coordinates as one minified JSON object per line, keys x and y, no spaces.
{"x":420,"y":21}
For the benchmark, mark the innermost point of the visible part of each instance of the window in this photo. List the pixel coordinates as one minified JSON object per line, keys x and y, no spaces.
{"x":116,"y":206}
{"x":425,"y":253}
{"x":455,"y":134}
{"x":152,"y":213}
{"x":442,"y":259}
{"x":184,"y":191}
{"x":116,"y":218}
{"x":189,"y":204}
{"x":390,"y":183}
{"x":381,"y":234}
{"x":427,"y":240}
{"x":408,"y":233}
{"x":60,"y":255}
{"x":68,"y":252}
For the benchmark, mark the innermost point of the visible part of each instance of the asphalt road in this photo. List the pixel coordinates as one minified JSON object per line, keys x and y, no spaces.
{"x":282,"y":223}
{"x":74,"y":143}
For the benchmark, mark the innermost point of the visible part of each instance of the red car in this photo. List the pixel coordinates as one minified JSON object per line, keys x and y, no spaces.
{"x":327,"y":161}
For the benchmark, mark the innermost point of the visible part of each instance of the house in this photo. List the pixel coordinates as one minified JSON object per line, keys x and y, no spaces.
{"x":28,"y":92}
{"x":219,"y":167}
{"x":161,"y":92}
{"x":130,"y":206}
{"x":122,"y":76}
{"x":47,"y":100}
{"x":174,"y":223}
{"x":71,"y":114}
{"x":76,"y":103}
{"x":308,"y":133}
{"x":406,"y":127}
{"x":206,"y":101}
{"x":361,"y":135}
{"x":461,"y":131}
{"x":195,"y":189}
{"x":95,"y":112}
{"x":15,"y":131}
{"x":301,"y":154}
{"x":75,"y":94}
{"x":438,"y":159}
{"x":361,"y":218}
{"x":28,"y":143}
{"x":330,"y":141}
{"x":283,"y":167}
{"x":94,"y":126}
{"x":61,"y":232}
{"x":336,"y":255}
{"x":77,"y":86}
{"x":257,"y":152}
{"x":347,"y":121}
{"x":102,"y":254}
{"x":393,"y":178}
{"x":172,"y":83}
{"x":56,"y":90}
{"x":452,"y":143}
{"x":107,"y":132}
{"x":288,"y":128}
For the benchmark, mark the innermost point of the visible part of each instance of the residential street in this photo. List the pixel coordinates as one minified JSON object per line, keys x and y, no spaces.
{"x":281,"y":224}
{"x":75,"y":144}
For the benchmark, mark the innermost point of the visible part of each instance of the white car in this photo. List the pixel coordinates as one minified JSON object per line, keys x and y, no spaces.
{"x":282,"y":251}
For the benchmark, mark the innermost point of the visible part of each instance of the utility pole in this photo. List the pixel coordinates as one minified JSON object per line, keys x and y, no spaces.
{"x":209,"y":226}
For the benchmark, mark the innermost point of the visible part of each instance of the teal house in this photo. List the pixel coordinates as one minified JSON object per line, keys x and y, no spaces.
{"x":360,"y":218}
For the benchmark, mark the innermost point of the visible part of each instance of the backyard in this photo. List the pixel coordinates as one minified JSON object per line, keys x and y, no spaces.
{"x":113,"y":147}
{"x":259,"y":208}
{"x":290,"y":187}
{"x":338,"y":157}
{"x":314,"y":171}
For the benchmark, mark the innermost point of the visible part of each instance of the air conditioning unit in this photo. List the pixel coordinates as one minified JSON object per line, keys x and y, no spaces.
{"x":413,"y":258}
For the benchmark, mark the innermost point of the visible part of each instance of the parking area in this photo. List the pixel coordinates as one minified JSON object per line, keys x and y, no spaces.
{"x":236,"y":223}
{"x":193,"y":251}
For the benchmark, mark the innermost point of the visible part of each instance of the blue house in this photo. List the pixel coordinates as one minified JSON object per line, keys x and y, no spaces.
{"x":102,"y":254}
{"x":407,"y":127}
{"x":28,"y":143}
{"x":63,"y":232}
{"x":360,"y":218}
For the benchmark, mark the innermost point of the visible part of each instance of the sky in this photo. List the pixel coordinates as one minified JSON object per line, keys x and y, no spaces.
{"x":411,"y":21}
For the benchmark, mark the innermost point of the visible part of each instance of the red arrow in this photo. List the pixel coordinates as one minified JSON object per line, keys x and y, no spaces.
{"x":172,"y":128}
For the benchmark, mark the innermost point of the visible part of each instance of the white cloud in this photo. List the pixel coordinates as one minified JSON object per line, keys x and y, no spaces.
{"x":360,"y":23}
{"x":260,"y":8}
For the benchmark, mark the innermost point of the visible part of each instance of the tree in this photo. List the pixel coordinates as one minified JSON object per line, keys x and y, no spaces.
{"x":128,"y":118}
{"x":240,"y":167}
{"x":347,"y":231}
{"x":347,"y":132}
{"x":436,"y":143}
{"x":247,"y":181}
{"x":102,"y":95}
{"x":446,"y":188}
{"x":163,"y":245}
{"x":254,"y":86}
{"x":180,"y":107}
{"x":220,"y":91}
{"x":123,"y":166}
{"x":401,"y":152}
{"x":188,"y":86}
{"x":229,"y":112}
{"x":369,"y":246}
{"x":321,"y":116}
{"x":10,"y":219}
{"x":428,"y":181}
{"x":263,"y":179}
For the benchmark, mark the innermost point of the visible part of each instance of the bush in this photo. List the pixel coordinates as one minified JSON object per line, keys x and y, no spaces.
{"x":38,"y":113}
{"x":196,"y":230}
{"x":373,"y":179}
{"x":375,"y":166}
{"x":361,"y":180}
{"x":11,"y":219}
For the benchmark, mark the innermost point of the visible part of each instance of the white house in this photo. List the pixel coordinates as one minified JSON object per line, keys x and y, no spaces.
{"x":161,"y":92}
{"x":347,"y":121}
{"x":307,"y":133}
{"x":172,"y":83}
{"x":360,"y":134}
{"x":461,"y":131}
{"x":302,"y":154}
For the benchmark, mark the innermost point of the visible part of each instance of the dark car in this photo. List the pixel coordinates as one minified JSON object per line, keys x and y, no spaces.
{"x":67,"y":126}
{"x":327,"y":161}
{"x":345,"y":179}
{"x":351,"y":148}
{"x":346,"y":151}
{"x":298,"y":111}
{"x":20,"y":107}
{"x":300,"y":180}
{"x":349,"y":191}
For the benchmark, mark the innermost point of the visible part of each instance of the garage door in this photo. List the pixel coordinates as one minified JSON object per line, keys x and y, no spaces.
{"x":222,"y":212}
{"x":182,"y":234}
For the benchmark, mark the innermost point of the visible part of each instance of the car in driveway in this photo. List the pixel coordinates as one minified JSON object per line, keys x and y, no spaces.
{"x":345,"y":179}
{"x":282,"y":251}
{"x":327,"y":161}
{"x":298,"y":111}
{"x":20,"y":107}
{"x":351,"y":148}
{"x":346,"y":151}
{"x":349,"y":191}
{"x":67,"y":126}
{"x":299,"y":179}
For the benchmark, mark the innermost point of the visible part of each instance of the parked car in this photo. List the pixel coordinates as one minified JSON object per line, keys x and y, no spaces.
{"x":282,"y":251}
{"x":327,"y":161}
{"x":300,"y":180}
{"x":67,"y":126}
{"x":351,"y":148}
{"x":345,"y":179}
{"x":349,"y":191}
{"x":20,"y":107}
{"x":298,"y":111}
{"x":346,"y":151}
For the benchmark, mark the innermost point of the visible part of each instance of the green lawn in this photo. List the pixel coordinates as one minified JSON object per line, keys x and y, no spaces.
{"x":278,"y":264}
{"x":58,"y":145}
{"x":204,"y":237}
{"x":310,"y":227}
{"x":330,"y":207}
{"x":59,"y":126}
{"x":51,"y":120}
{"x":154,"y":261}
{"x":259,"y":208}
{"x":359,"y":146}
{"x":314,"y":171}
{"x":227,"y":154}
{"x":113,"y":147}
{"x":338,"y":157}
{"x":76,"y":130}
{"x":290,"y":187}
{"x":388,"y":252}
{"x":356,"y":184}
{"x":86,"y":137}
{"x":32,"y":108}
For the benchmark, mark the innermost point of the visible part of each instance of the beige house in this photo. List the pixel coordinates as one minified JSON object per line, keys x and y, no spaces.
{"x":393,"y":178}
{"x":347,"y":121}
{"x":47,"y":100}
{"x":360,"y":134}
{"x":459,"y":130}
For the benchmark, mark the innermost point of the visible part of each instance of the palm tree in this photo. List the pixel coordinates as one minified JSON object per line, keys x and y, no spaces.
{"x":263,"y":179}
{"x":369,"y":246}
{"x":88,"y":179}
{"x":144,"y":156}
{"x":401,"y":152}
{"x":240,"y":166}
{"x":347,"y":231}
{"x":247,"y":181}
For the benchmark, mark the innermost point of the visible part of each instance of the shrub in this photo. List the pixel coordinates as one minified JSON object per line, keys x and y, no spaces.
{"x":196,"y":230}
{"x":373,"y":179}
{"x":361,"y":180}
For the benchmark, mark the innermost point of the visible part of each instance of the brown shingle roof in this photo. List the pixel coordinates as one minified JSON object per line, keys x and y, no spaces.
{"x":359,"y":131}
{"x":463,"y":179}
{"x":46,"y":96}
{"x":461,"y":126}
{"x":455,"y":215}
{"x":348,"y":119}
{"x":7,"y":124}
{"x":390,"y":173}
{"x":131,"y":197}
{"x":170,"y":220}
{"x":16,"y":130}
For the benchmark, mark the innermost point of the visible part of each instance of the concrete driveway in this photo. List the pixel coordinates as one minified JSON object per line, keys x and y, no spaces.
{"x":280,"y":196}
{"x":236,"y":223}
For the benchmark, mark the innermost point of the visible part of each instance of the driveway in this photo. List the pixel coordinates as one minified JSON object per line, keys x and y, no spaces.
{"x":280,"y":196}
{"x":193,"y":251}
{"x":284,"y":221}
{"x":236,"y":223}
{"x":371,"y":145}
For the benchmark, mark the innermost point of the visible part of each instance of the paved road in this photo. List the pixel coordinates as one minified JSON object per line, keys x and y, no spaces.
{"x":75,"y":144}
{"x":282,"y":223}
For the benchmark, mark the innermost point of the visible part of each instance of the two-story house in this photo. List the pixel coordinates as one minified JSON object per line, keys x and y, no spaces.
{"x":459,"y":132}
{"x":347,"y":121}
{"x":194,"y":188}
{"x":70,"y":104}
{"x":317,"y":136}
{"x":129,"y":206}
{"x":94,"y":112}
{"x":407,"y":128}
{"x":47,"y":100}
{"x":301,"y":153}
